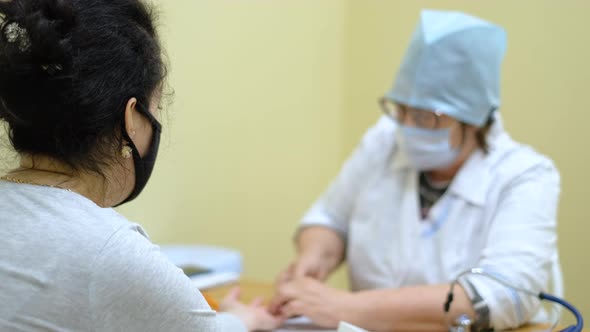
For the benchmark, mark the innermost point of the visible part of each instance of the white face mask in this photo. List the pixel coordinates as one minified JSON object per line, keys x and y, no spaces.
{"x":427,"y":149}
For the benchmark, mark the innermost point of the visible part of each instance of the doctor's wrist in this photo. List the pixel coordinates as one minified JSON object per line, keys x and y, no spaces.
{"x":349,"y":308}
{"x":312,"y":265}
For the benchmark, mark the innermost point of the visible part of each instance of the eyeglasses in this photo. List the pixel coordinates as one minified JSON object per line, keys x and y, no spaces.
{"x":419,"y":118}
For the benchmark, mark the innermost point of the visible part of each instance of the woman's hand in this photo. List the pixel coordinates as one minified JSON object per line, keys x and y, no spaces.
{"x":307,"y":265}
{"x":324,"y":305}
{"x":255,"y":316}
{"x":320,"y":251}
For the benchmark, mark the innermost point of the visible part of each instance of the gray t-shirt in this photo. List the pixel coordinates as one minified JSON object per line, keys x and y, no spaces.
{"x":68,"y":265}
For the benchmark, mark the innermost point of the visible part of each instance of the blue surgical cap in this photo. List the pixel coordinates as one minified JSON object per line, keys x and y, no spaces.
{"x":452,"y":66}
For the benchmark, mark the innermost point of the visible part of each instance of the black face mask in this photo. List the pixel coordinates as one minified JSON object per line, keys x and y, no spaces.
{"x":143,"y":165}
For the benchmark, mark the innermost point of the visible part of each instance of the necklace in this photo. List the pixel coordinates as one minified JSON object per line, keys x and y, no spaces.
{"x":15,"y":180}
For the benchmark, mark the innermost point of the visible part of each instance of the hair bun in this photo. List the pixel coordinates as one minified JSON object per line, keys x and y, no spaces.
{"x":38,"y":32}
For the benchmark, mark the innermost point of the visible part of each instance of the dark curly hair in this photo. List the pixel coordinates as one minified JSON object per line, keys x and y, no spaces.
{"x":67,"y":70}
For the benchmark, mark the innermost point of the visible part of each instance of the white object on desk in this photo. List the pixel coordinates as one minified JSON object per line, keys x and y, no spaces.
{"x":214,"y":279}
{"x":216,"y":259}
{"x":346,"y":327}
{"x":207,"y":266}
{"x":301,"y":324}
{"x":304,"y":324}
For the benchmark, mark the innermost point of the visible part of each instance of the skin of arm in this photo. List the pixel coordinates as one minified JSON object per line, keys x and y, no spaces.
{"x":321,"y":243}
{"x":418,"y":308}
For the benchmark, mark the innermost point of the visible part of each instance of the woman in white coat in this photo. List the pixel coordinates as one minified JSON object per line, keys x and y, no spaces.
{"x":435,"y":188}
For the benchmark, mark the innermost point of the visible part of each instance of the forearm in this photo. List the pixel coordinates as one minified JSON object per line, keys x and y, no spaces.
{"x":321,"y":242}
{"x":406,"y":309}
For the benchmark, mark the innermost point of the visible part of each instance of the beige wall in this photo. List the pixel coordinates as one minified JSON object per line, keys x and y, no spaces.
{"x":253,"y":133}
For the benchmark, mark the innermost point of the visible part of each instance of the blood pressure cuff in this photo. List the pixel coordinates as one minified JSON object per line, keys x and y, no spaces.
{"x":482,"y":311}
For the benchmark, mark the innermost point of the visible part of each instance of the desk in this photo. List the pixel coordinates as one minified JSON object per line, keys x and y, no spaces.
{"x":253,"y":289}
{"x":250,"y":291}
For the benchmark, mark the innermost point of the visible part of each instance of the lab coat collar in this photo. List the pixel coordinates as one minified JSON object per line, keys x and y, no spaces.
{"x":473,"y":179}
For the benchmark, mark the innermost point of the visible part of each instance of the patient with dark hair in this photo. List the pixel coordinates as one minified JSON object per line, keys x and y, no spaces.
{"x":80,"y":87}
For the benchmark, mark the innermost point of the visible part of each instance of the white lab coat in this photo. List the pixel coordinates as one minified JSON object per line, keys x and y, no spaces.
{"x":499,"y":213}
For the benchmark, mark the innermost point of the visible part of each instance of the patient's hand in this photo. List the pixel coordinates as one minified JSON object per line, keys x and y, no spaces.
{"x":255,"y":315}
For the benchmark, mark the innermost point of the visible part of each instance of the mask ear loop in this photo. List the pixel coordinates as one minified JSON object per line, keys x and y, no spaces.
{"x":151,"y":118}
{"x":134,"y":151}
{"x":153,"y":121}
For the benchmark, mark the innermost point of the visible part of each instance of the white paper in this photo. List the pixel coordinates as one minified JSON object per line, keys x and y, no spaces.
{"x":214,"y":279}
{"x":346,"y":327}
{"x":302,"y":324}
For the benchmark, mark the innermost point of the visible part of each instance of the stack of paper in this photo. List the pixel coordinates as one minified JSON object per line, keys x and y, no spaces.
{"x":205,"y":281}
{"x":303,"y":324}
